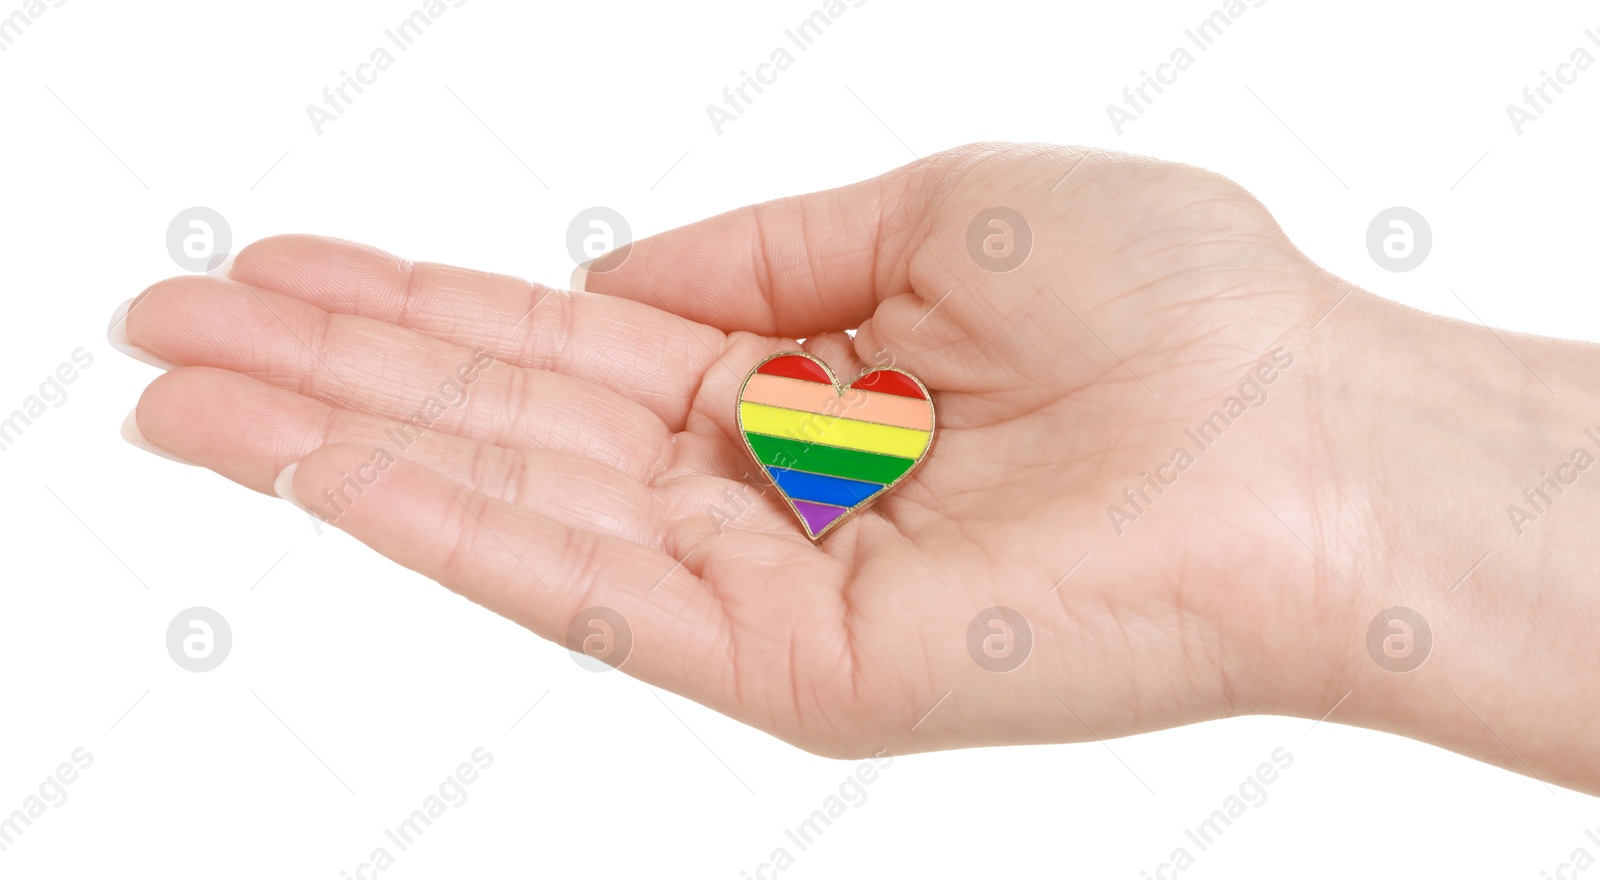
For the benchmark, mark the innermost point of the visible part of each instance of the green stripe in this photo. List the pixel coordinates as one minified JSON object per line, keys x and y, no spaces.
{"x":784,"y":452}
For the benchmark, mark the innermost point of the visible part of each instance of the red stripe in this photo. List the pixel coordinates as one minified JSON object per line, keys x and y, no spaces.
{"x":889,"y":382}
{"x":793,"y":366}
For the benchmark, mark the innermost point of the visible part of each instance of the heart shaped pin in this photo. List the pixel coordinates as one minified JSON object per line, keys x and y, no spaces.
{"x":832,"y":450}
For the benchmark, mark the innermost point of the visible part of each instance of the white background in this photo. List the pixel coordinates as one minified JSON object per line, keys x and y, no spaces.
{"x":119,"y":115}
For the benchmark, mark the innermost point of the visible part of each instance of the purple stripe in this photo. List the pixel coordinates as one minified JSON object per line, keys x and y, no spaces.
{"x":817,"y":516}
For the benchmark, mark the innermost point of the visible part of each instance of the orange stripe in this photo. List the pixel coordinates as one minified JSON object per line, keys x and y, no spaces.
{"x":866,"y":406}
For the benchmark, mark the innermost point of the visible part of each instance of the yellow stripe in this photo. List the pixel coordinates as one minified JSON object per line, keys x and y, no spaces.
{"x":829,"y":431}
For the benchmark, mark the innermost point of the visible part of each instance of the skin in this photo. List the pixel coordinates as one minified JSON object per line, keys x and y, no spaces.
{"x":596,"y":463}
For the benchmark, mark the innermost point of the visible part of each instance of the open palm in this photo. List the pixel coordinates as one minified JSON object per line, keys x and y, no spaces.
{"x":547,"y":453}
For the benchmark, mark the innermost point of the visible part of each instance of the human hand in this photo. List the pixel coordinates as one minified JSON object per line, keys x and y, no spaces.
{"x":595,"y":461}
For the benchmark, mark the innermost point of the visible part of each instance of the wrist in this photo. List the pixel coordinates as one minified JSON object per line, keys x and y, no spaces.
{"x":1460,"y":464}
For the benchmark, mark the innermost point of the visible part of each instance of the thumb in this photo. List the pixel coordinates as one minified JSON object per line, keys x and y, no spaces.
{"x":793,"y":267}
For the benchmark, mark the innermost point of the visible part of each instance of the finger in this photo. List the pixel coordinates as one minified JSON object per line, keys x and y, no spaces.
{"x":370,"y":366}
{"x":638,"y":351}
{"x":936,"y":346}
{"x":837,"y":350}
{"x":792,"y":267}
{"x":531,"y":568}
{"x":249,"y":431}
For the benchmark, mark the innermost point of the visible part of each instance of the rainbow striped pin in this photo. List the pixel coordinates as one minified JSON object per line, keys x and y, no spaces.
{"x":832,"y":450}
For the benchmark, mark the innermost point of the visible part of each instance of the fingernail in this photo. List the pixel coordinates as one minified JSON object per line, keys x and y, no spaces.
{"x":580,"y":275}
{"x":117,"y":335}
{"x":223,"y":269}
{"x":132,"y":434}
{"x":283,"y":487}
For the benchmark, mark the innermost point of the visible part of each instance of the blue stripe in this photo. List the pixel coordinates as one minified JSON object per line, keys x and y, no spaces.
{"x":822,"y":489}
